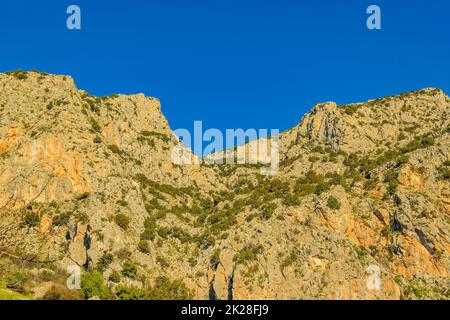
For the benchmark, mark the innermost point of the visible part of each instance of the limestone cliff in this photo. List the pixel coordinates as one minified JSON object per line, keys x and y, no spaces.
{"x":89,"y":181}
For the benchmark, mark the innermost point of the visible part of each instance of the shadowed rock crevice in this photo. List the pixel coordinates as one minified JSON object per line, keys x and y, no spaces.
{"x":230,"y":285}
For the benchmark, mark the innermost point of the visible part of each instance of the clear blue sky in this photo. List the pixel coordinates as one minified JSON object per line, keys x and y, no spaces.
{"x":234,"y":63}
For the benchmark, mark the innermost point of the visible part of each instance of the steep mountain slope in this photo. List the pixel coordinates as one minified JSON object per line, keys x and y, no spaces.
{"x":90,"y":181}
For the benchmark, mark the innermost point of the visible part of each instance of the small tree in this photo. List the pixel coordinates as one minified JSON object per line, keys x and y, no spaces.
{"x":92,"y":285}
{"x":122,"y":221}
{"x":31,"y":219}
{"x":166,"y":289}
{"x":104,"y":261}
{"x":143,"y":247}
{"x":114,"y":277}
{"x":129,"y":269}
{"x":333,"y":203}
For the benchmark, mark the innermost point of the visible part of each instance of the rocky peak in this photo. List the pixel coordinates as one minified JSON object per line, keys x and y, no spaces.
{"x":320,"y":125}
{"x":365,"y":126}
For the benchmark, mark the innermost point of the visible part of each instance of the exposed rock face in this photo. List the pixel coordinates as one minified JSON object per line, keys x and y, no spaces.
{"x":358,"y":209}
{"x":409,"y":178}
{"x":321,"y":125}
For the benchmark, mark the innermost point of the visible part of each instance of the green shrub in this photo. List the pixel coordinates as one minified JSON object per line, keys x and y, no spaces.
{"x":333,"y":203}
{"x":304,"y":189}
{"x":311,"y":183}
{"x":156,"y":188}
{"x":349,"y":109}
{"x":352,"y":160}
{"x":18,"y":74}
{"x":322,"y":187}
{"x":60,"y":292}
{"x":415,"y":290}
{"x":419,"y":143}
{"x":129,"y":269}
{"x":123,"y":254}
{"x":175,"y":232}
{"x":104,"y":261}
{"x":204,"y":240}
{"x":93,"y":106}
{"x":215,"y":259}
{"x":122,"y":203}
{"x":31,"y":219}
{"x":162,"y":262}
{"x":248,"y":254}
{"x":82,"y":217}
{"x":131,"y":293}
{"x":115,"y":277}
{"x":94,"y":125}
{"x":289,"y":260}
{"x":361,"y":251}
{"x":267,"y":211}
{"x":115,"y":149}
{"x":445,"y":172}
{"x":154,"y":204}
{"x":162,"y":289}
{"x":291,"y":199}
{"x":122,"y":221}
{"x":370,"y":183}
{"x":150,"y":228}
{"x":143,"y":247}
{"x":403,"y":159}
{"x":159,"y":135}
{"x":165,"y":289}
{"x":390,"y":177}
{"x":427,"y":141}
{"x":61,"y":219}
{"x":16,"y":280}
{"x":92,"y":285}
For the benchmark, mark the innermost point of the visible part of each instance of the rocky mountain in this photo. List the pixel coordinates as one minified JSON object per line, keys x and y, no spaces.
{"x":359,"y":208}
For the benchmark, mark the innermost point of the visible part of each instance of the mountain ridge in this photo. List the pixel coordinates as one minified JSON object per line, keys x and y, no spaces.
{"x":90,"y":181}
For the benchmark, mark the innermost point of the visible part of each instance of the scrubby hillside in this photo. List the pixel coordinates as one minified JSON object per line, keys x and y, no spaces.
{"x":89,"y":181}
